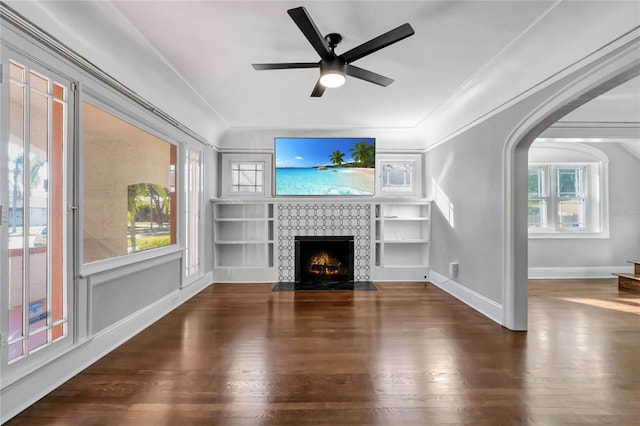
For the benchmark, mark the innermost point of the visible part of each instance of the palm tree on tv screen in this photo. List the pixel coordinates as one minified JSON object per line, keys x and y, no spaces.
{"x":364,"y":154}
{"x":337,"y":158}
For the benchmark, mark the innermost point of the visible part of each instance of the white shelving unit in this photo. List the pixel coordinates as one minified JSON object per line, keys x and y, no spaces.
{"x":243,"y":238}
{"x":402,"y":231}
{"x":245,"y":234}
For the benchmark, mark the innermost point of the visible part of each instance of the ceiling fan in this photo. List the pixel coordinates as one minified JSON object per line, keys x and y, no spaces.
{"x":333,"y":68}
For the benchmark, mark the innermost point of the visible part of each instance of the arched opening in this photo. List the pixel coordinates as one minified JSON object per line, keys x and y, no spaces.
{"x":599,"y":76}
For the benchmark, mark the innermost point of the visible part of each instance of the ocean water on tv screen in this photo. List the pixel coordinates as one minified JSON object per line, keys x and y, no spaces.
{"x":324,"y":181}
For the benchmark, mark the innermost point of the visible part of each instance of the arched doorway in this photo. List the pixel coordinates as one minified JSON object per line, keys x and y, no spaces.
{"x":603,"y":71}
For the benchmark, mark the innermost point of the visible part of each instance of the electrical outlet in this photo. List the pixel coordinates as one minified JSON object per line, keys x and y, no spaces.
{"x":453,"y":269}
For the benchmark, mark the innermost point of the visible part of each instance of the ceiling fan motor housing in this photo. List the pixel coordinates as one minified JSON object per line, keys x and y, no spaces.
{"x":333,"y":65}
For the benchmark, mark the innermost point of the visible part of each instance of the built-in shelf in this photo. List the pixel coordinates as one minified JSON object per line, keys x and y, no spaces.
{"x":243,"y":239}
{"x":245,"y":233}
{"x":402,"y":232}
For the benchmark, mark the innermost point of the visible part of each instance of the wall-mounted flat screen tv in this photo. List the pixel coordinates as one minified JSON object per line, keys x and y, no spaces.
{"x":325,"y":166}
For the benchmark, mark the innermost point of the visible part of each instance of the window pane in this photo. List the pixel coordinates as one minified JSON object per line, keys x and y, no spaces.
{"x":55,"y":187}
{"x":192,"y":181}
{"x":59,"y":92}
{"x":568,"y":182}
{"x":16,"y":186}
{"x":397,"y":177}
{"x":247,"y":177}
{"x":536,"y":183}
{"x":571,"y":213}
{"x":16,"y":72}
{"x":128,"y":195}
{"x":39,"y":83}
{"x":148,"y":211}
{"x":38,"y":214}
{"x":537,"y":213}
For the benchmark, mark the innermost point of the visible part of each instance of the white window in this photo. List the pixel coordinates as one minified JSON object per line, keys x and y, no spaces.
{"x":400,"y":175}
{"x":193,"y":192}
{"x":36,"y":306}
{"x":567,"y":195}
{"x":397,"y":177}
{"x":559,"y":197}
{"x":246,"y":175}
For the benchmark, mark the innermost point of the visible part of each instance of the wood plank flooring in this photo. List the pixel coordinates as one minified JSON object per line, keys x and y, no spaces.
{"x":404,"y":355}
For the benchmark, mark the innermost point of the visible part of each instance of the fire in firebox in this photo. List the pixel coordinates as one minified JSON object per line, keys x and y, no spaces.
{"x":327,"y":259}
{"x":323,"y":264}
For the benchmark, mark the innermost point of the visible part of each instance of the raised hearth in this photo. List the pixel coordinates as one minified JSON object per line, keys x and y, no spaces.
{"x":320,"y":286}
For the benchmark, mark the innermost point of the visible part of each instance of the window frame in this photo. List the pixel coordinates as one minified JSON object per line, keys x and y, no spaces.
{"x":226,"y":181}
{"x":413,"y":190}
{"x":594,"y":192}
{"x":125,"y":111}
{"x":21,"y":366}
{"x":190,"y":277}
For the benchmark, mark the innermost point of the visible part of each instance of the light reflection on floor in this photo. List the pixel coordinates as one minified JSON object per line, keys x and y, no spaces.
{"x":621,"y":307}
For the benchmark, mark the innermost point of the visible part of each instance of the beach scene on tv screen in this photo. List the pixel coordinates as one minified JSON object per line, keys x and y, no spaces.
{"x":325,"y":166}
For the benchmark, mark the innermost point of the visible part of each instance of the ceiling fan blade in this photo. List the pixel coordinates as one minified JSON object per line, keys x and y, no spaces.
{"x":375,"y":44}
{"x":286,"y":65}
{"x":302,"y":19}
{"x":318,"y":90}
{"x":369,"y":76}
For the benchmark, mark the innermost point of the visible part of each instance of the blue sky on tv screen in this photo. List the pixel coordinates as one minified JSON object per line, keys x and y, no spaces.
{"x":312,"y":152}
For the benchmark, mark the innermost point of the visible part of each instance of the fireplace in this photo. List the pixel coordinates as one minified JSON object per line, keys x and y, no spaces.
{"x":327,"y":259}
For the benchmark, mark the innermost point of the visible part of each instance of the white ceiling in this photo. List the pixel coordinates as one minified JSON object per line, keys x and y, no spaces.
{"x":193,"y":59}
{"x":619,"y":105}
{"x":212,"y":45}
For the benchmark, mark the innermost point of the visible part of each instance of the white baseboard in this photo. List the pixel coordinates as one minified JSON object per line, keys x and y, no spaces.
{"x":541,"y":272}
{"x":390,"y":274}
{"x":482,"y":304}
{"x":26,"y":391}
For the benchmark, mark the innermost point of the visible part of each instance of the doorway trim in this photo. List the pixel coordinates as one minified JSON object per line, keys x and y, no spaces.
{"x":605,"y":69}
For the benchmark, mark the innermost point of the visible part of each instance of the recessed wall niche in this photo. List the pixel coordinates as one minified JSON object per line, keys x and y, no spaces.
{"x":324,"y":219}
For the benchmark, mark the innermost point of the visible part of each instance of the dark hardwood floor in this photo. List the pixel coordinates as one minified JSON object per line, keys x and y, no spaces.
{"x":404,"y":355}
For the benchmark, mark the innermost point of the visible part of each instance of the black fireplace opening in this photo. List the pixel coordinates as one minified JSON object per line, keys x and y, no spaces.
{"x":326,"y":259}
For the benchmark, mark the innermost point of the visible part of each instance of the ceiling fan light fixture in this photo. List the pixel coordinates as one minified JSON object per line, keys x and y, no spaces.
{"x":332,"y":72}
{"x":332,"y":79}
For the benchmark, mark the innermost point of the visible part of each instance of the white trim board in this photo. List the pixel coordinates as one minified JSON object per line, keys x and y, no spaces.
{"x":482,"y":304}
{"x":566,"y":272}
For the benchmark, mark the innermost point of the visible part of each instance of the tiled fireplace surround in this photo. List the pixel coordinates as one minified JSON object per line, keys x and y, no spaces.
{"x":323,"y":219}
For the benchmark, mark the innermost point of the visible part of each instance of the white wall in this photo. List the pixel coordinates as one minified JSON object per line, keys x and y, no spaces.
{"x":389,"y":140}
{"x":586,"y":256}
{"x":473,"y":168}
{"x":469,"y":170}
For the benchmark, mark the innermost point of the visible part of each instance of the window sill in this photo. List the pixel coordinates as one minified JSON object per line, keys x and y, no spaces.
{"x":108,"y":265}
{"x":577,"y":235}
